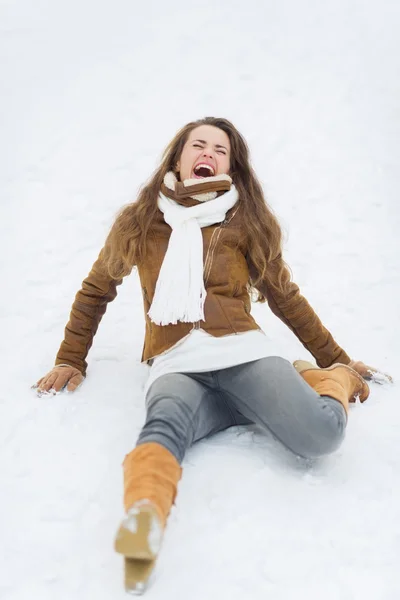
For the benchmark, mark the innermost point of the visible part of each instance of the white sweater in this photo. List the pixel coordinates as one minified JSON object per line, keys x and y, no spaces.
{"x":200,"y":351}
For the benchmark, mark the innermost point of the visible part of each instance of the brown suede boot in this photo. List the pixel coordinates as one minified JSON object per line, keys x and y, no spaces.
{"x":339,"y":381}
{"x":151,"y":476}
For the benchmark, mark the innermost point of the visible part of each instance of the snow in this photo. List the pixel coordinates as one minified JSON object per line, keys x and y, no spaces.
{"x":91,"y":93}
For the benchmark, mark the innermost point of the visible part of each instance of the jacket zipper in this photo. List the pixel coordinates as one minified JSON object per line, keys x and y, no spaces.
{"x":209,"y":254}
{"x":148,"y":301}
{"x":213,"y":245}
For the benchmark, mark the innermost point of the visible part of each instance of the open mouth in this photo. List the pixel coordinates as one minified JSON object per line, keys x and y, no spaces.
{"x":202,"y":170}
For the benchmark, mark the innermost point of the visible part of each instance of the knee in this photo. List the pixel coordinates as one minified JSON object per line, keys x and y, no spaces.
{"x":277,"y":363}
{"x":326,"y":434}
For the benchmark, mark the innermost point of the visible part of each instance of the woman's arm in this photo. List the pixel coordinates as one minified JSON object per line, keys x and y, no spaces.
{"x":98,"y":289}
{"x":294,"y":310}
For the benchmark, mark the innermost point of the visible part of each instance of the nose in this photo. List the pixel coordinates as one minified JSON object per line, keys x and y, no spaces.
{"x":208,"y":153}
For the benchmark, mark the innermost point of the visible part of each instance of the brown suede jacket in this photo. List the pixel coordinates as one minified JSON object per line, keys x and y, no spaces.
{"x":227,"y":306}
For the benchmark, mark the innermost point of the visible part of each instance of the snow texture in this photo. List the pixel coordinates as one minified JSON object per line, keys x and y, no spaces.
{"x":91,"y":92}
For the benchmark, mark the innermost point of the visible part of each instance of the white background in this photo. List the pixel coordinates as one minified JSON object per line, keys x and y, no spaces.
{"x":90,"y":94}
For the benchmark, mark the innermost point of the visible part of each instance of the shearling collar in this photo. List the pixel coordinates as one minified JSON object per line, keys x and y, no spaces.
{"x":195,"y":189}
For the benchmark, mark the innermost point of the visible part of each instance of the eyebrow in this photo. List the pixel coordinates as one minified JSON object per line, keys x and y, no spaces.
{"x":216,"y":145}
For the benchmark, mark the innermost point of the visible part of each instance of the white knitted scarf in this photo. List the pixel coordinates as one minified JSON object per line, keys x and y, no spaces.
{"x":180,"y":293}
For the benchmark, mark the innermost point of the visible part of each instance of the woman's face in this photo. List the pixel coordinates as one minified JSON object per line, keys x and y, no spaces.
{"x":205,"y":154}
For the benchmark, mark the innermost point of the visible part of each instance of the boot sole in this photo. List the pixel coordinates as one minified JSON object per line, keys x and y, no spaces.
{"x":137,"y":575}
{"x":139,"y":540}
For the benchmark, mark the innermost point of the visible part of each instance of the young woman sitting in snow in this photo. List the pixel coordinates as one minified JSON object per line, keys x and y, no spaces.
{"x":202,"y":237}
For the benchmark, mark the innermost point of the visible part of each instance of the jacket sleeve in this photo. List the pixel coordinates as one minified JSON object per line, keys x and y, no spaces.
{"x":98,"y":289}
{"x":294,"y":310}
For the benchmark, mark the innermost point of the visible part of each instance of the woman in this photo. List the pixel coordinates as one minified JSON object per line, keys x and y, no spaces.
{"x":202,"y":238}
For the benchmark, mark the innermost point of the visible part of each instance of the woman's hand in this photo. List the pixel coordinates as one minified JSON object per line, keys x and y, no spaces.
{"x":369,"y":373}
{"x":59,"y":377}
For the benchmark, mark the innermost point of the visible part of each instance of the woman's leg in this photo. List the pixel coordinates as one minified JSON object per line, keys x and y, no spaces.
{"x":271,"y":393}
{"x":180,"y":410}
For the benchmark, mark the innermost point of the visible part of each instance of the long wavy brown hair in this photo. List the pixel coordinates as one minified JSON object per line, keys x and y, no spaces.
{"x":126,"y":243}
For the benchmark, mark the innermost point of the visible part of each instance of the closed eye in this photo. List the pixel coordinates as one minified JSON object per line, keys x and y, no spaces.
{"x":199,"y":146}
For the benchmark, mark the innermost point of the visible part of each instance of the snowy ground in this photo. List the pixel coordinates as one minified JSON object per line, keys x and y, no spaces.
{"x":91,"y":92}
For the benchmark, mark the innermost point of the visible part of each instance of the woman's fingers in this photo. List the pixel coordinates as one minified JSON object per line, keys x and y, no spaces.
{"x":57,"y":379}
{"x":61,"y":381}
{"x":47,"y":382}
{"x":37,"y":384}
{"x":370,"y":373}
{"x":375,"y":375}
{"x":74,"y":382}
{"x":379,"y":377}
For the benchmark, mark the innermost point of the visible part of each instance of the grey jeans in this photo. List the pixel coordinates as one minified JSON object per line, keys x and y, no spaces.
{"x":185,"y":407}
